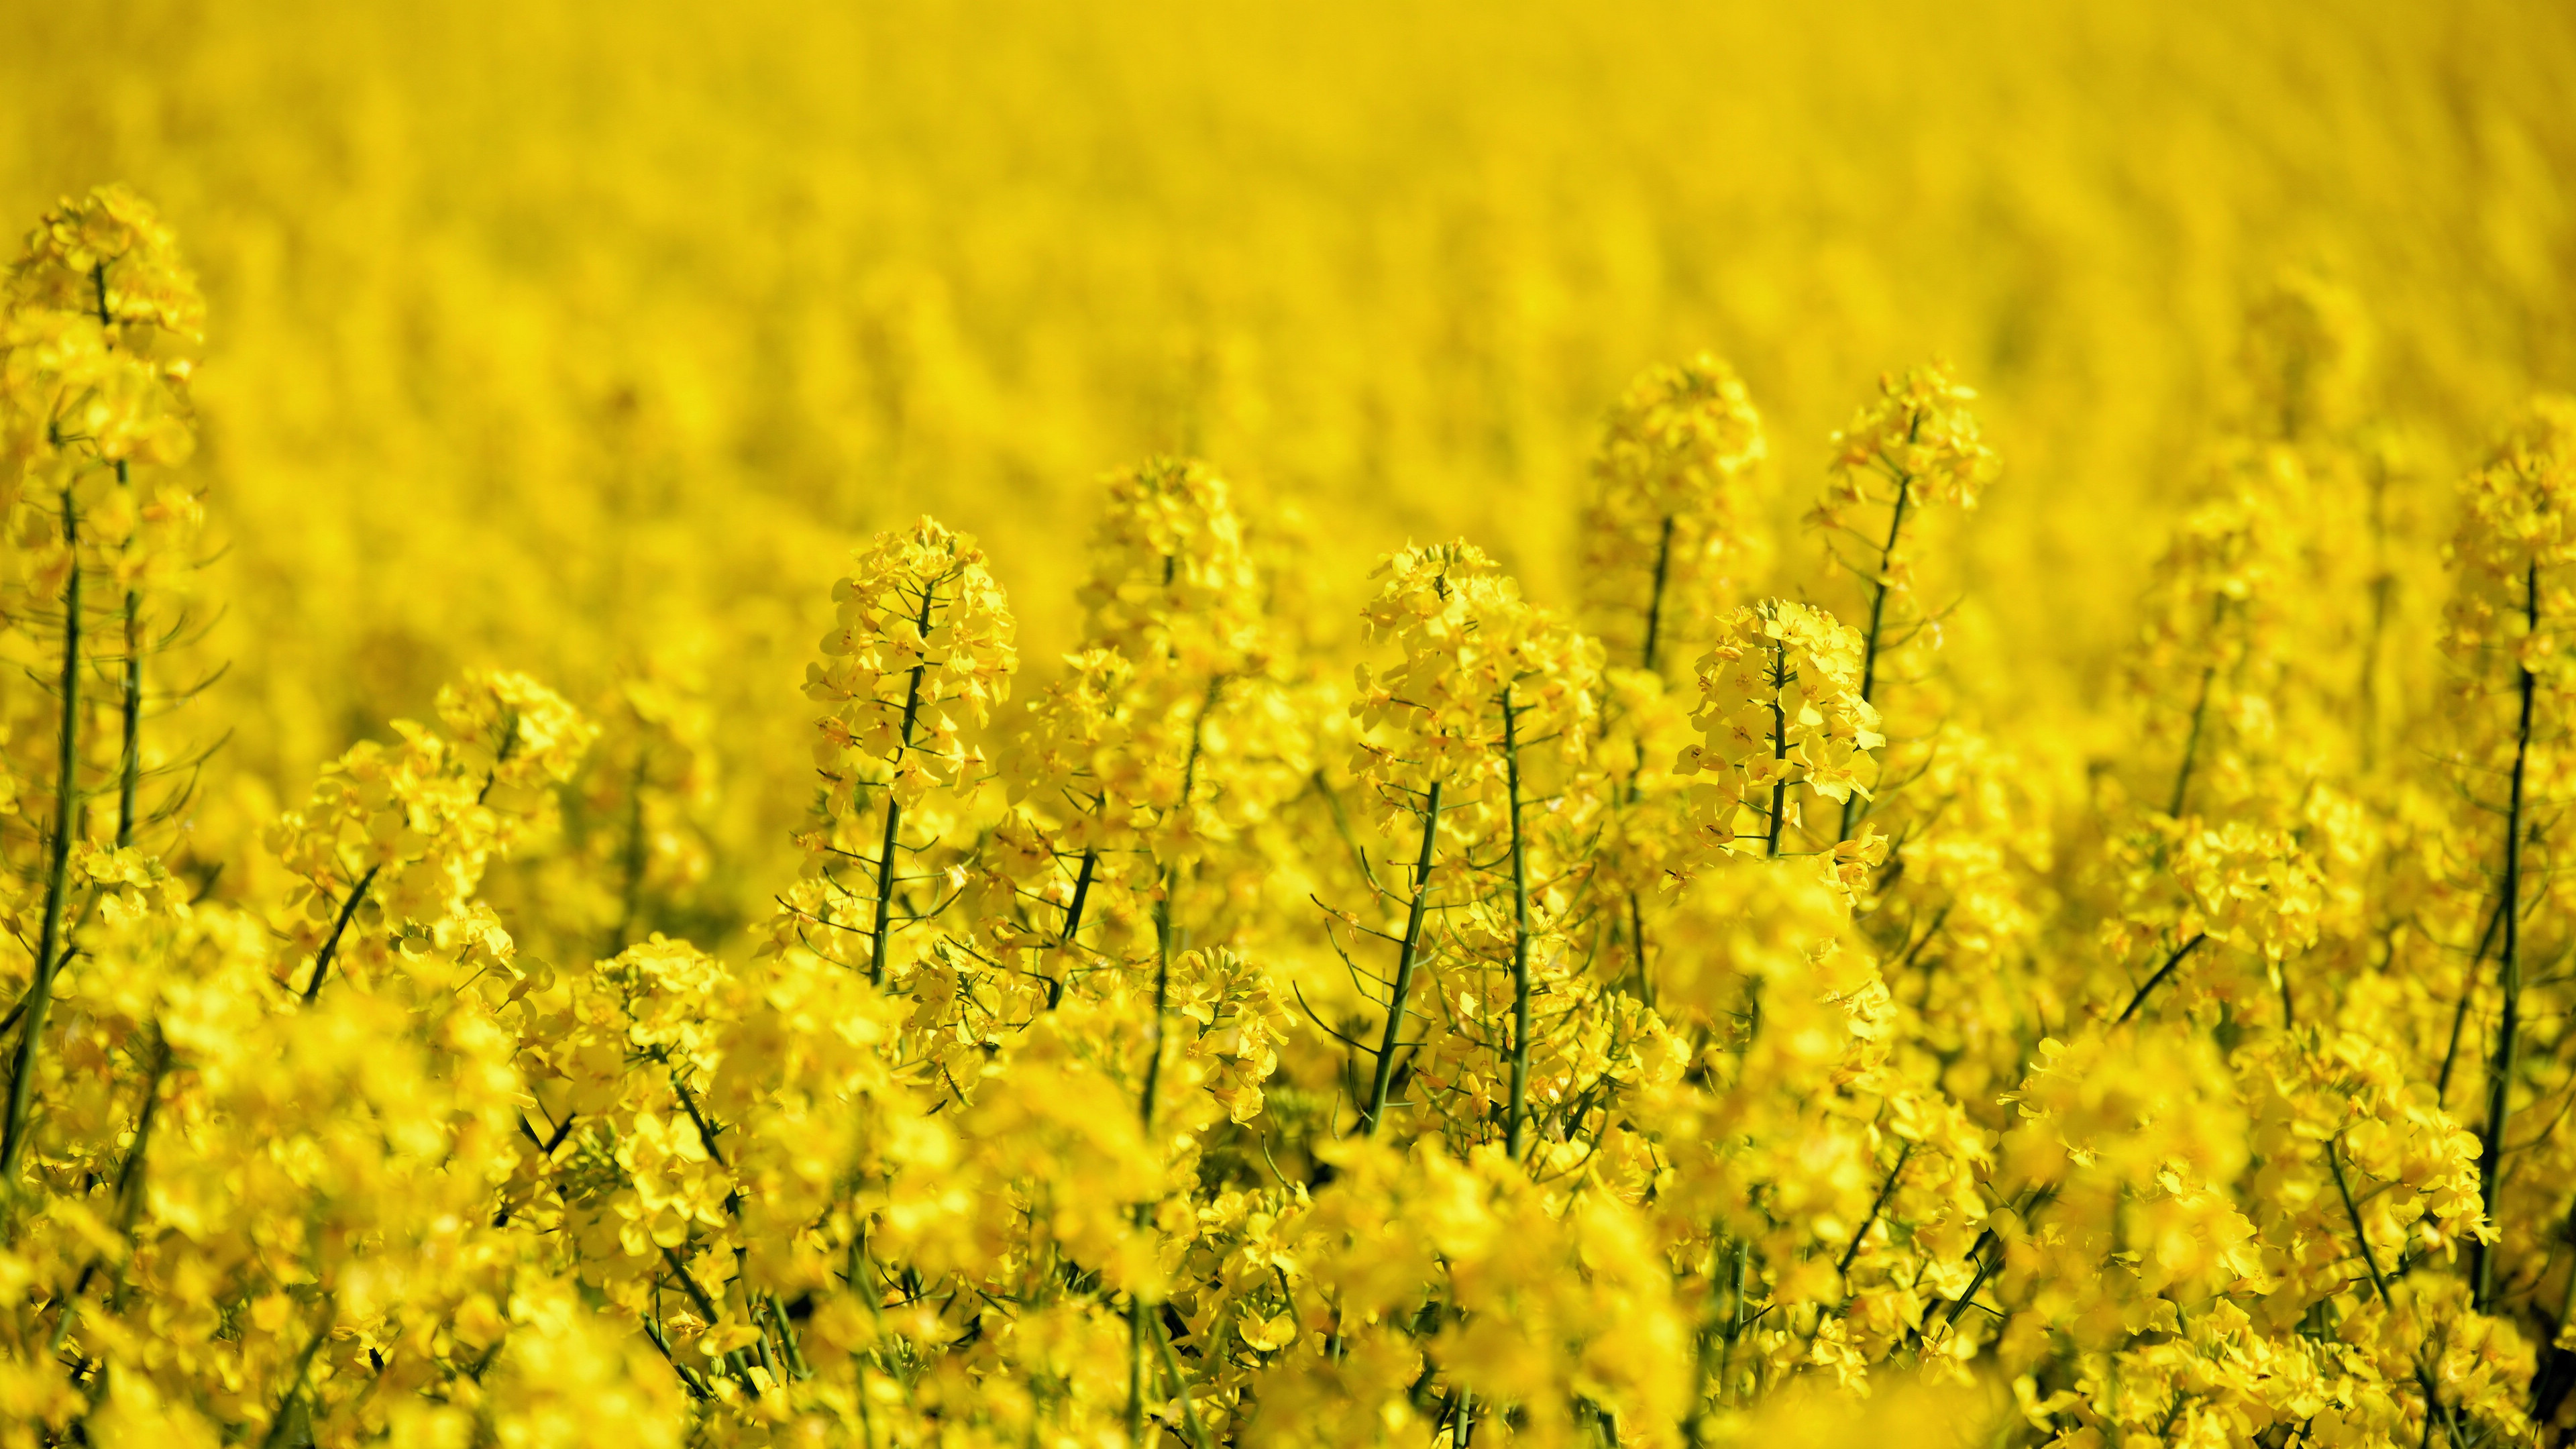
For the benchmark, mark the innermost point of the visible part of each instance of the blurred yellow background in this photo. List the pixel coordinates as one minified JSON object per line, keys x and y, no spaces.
{"x":589,"y":338}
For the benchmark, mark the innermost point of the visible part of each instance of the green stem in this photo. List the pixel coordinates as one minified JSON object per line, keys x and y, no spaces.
{"x":1404,"y":962}
{"x":280,"y":1427}
{"x":1516,"y":1125}
{"x":2369,"y":1259}
{"x":894,"y":806}
{"x":2509,"y":1024}
{"x":331,"y":947}
{"x":1878,"y":621}
{"x":1180,"y":1389}
{"x":1072,"y":923}
{"x":40,"y":990}
{"x":1779,"y":745}
{"x":1655,"y":603}
{"x":1843,"y":1268}
{"x":637,"y":855}
{"x":2460,"y":1013}
{"x":2171,"y":962}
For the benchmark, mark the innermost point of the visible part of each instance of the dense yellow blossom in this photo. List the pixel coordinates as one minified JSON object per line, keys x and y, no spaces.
{"x":2032,"y":910}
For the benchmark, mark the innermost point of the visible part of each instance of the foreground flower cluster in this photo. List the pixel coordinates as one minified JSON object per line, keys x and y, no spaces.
{"x":1636,"y":1025}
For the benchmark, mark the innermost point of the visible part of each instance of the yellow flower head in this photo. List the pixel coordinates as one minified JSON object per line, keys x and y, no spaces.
{"x":1780,"y":705}
{"x":1169,"y":572}
{"x":107,"y":255}
{"x":1664,"y":532}
{"x":1919,"y":435}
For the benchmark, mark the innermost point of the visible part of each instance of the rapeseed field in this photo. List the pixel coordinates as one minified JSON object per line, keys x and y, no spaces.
{"x":958,"y":724}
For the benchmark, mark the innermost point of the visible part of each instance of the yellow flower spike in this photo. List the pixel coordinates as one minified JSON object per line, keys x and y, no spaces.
{"x":1665,"y":534}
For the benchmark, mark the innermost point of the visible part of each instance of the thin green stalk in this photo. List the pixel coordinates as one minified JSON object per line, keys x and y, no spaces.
{"x":129,"y":770}
{"x":331,"y":947}
{"x":1516,"y":1126}
{"x":1136,"y":1371}
{"x":894,"y":806}
{"x":1637,"y":935}
{"x":1779,"y":744}
{"x":2191,"y":743}
{"x":2460,"y":1013}
{"x":2171,"y":962}
{"x":40,"y":990}
{"x":1655,"y":603}
{"x":1180,"y":1389}
{"x":1072,"y":924}
{"x":1404,"y":961}
{"x":631,"y":894}
{"x":1843,"y":1268}
{"x":2509,"y":1023}
{"x":2369,"y":1259}
{"x":129,"y":775}
{"x":1878,"y":621}
{"x":281,"y":1426}
{"x":1164,"y":945}
{"x":128,"y":1194}
{"x":2199,"y":718}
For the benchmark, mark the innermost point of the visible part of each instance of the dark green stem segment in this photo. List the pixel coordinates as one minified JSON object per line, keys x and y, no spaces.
{"x":1180,"y":1389}
{"x":1884,"y":1193}
{"x":1655,"y":601}
{"x":1878,"y":622}
{"x":2460,"y":1013}
{"x":1073,"y":923}
{"x":2369,"y":1259}
{"x":331,"y":947}
{"x":894,"y":807}
{"x":2509,"y":962}
{"x":1779,"y":746}
{"x":129,"y":775}
{"x":1406,"y":955}
{"x":2167,"y":969}
{"x":49,"y":955}
{"x":1516,"y":1127}
{"x":1164,"y":947}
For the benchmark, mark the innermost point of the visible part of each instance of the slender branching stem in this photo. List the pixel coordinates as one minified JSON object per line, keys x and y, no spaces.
{"x":2191,"y":743}
{"x":1637,"y":938}
{"x":281,"y":1427}
{"x":894,"y":803}
{"x":129,"y":775}
{"x":2167,"y":969}
{"x":637,"y":856}
{"x":2468,"y":994}
{"x":1881,"y":587}
{"x":1895,"y":1173}
{"x":331,"y":946}
{"x":1180,"y":1388}
{"x":2509,"y":970}
{"x":1655,"y":601}
{"x":2369,"y":1259}
{"x":1516,"y":1126}
{"x":1779,"y":746}
{"x":2199,"y":718}
{"x":67,"y":806}
{"x":1406,"y":955}
{"x":1073,"y":923}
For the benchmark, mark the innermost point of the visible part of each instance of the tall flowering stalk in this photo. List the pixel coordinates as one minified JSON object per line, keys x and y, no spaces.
{"x":2517,"y":534}
{"x":1665,"y":534}
{"x":1488,"y":709}
{"x":1916,"y":445}
{"x":95,"y":320}
{"x":920,"y":652}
